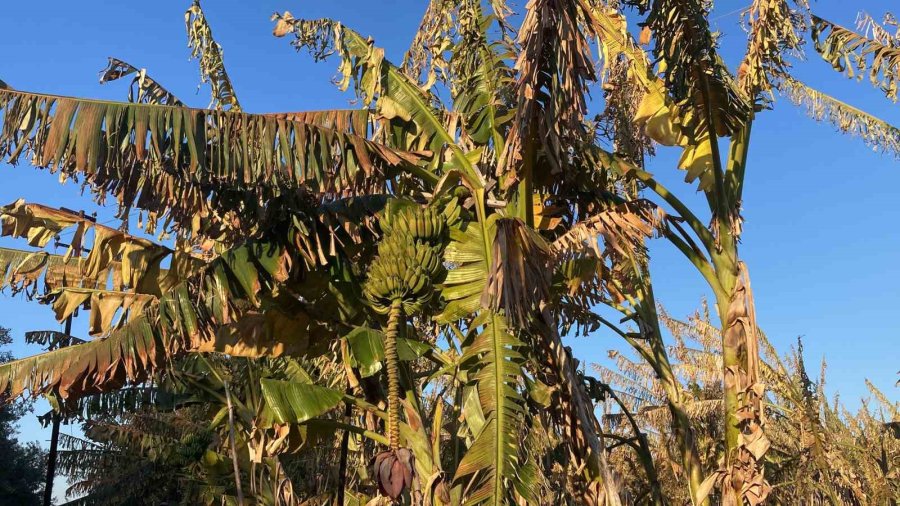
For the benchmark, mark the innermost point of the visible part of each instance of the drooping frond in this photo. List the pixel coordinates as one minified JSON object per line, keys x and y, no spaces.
{"x":212,"y":172}
{"x":623,"y":229}
{"x":554,"y":67}
{"x":128,"y":354}
{"x":693,"y":72}
{"x":231,"y":305}
{"x":876,"y":133}
{"x":118,"y":277}
{"x":519,"y":279}
{"x":775,"y":30}
{"x":143,"y":89}
{"x":851,"y":53}
{"x":879,"y":31}
{"x":611,"y":28}
{"x":209,"y":53}
{"x":217,"y":309}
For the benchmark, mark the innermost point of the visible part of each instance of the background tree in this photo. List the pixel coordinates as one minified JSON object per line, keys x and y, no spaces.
{"x":22,"y":472}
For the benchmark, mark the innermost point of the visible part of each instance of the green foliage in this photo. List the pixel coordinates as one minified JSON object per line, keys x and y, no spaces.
{"x":22,"y":472}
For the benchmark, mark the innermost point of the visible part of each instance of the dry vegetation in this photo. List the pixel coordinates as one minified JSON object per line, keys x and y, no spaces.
{"x":369,"y":306}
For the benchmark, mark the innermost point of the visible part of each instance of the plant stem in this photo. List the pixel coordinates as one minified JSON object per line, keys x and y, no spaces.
{"x":392,"y":362}
{"x":342,"y":466}
{"x":643,"y":450}
{"x":234,"y":459}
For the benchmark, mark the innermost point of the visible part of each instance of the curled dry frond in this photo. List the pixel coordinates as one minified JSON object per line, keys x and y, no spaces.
{"x":212,"y":66}
{"x":442,"y":31}
{"x":426,"y":59}
{"x":519,"y":279}
{"x":623,"y":96}
{"x":213,"y":173}
{"x":623,"y":229}
{"x":875,"y":132}
{"x":377,"y":82}
{"x":775,"y":30}
{"x":148,"y":91}
{"x":851,"y":53}
{"x":879,"y":31}
{"x":554,"y":68}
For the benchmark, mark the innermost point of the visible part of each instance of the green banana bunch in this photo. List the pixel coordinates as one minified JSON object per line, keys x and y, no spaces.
{"x":428,"y":257}
{"x":422,"y":224}
{"x":409,"y":259}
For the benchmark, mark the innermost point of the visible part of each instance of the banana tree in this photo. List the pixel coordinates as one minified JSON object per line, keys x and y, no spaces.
{"x":692,"y":104}
{"x":495,"y":221}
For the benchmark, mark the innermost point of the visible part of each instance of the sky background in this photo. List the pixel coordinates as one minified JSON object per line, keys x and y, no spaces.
{"x":820,"y":236}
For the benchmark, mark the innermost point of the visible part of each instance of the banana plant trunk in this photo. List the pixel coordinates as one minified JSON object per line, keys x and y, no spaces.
{"x":681,"y":423}
{"x":745,"y":442}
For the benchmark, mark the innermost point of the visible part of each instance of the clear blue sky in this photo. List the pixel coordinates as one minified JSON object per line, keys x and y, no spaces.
{"x":820,"y":237}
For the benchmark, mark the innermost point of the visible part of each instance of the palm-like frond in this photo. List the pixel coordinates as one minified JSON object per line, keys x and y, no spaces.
{"x":775,"y":30}
{"x":875,"y":132}
{"x":851,"y":53}
{"x":493,"y":465}
{"x":143,"y":89}
{"x":667,"y":117}
{"x":481,"y":79}
{"x":209,"y":53}
{"x":493,"y":359}
{"x":196,"y":166}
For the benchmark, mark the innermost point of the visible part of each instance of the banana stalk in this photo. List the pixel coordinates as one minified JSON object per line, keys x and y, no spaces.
{"x":392,"y":361}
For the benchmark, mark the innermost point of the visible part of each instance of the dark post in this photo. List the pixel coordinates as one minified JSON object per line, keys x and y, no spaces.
{"x":54,"y":442}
